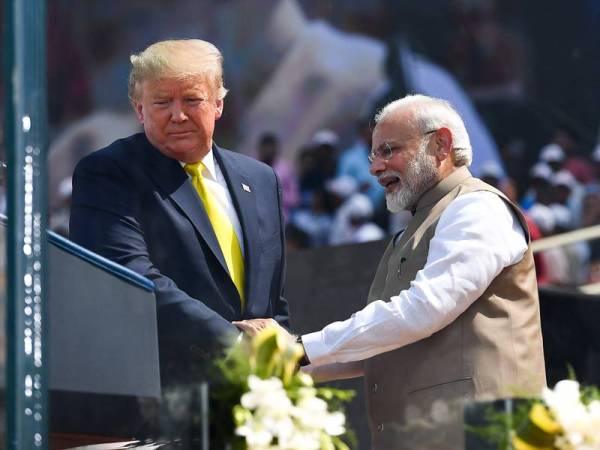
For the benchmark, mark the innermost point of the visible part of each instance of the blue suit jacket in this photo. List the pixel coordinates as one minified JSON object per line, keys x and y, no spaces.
{"x":137,"y":207}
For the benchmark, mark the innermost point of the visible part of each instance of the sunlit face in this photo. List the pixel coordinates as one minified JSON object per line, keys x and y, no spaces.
{"x":179,"y":116}
{"x":410,"y":171}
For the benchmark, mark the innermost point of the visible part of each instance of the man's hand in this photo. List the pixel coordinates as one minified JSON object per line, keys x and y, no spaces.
{"x":254,"y":326}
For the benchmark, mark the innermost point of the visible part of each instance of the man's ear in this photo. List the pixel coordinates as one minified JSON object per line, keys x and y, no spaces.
{"x":139,"y":110}
{"x":218,"y":109}
{"x":443,"y":143}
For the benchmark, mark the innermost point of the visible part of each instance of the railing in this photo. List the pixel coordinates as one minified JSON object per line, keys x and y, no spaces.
{"x":583,"y":234}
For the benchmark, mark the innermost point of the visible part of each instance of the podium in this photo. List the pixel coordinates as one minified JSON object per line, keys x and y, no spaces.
{"x":102,"y":347}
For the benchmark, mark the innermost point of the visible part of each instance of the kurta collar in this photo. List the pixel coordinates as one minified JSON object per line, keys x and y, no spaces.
{"x":435,"y":193}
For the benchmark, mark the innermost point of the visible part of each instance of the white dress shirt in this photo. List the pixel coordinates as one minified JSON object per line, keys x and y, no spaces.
{"x":476,"y":237}
{"x":216,"y":184}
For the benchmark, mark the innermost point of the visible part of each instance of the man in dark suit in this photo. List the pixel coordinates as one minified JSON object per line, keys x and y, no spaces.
{"x":203,"y":223}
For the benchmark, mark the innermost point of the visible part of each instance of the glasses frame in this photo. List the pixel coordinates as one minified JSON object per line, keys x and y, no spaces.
{"x":386,"y":151}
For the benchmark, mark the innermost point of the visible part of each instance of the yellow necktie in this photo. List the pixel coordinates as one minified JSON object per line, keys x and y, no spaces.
{"x":228,"y":240}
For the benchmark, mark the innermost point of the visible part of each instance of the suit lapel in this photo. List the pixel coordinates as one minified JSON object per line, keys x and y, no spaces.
{"x":244,"y":199}
{"x":172,"y":180}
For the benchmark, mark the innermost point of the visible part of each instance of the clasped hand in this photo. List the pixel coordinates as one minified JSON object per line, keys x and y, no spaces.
{"x":254,"y":326}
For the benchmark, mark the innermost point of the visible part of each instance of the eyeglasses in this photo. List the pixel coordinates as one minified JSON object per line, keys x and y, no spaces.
{"x":386,"y":151}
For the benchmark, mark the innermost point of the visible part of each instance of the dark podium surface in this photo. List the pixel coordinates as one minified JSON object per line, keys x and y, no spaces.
{"x":102,"y":325}
{"x":102,"y":345}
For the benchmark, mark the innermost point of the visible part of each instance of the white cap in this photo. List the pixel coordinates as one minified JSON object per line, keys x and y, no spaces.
{"x":564,"y":178}
{"x":543,"y":217}
{"x":343,"y":186}
{"x":359,"y":206}
{"x":541,"y":170}
{"x":562,"y":216}
{"x":368,"y":232}
{"x":325,"y":137}
{"x":552,"y":153}
{"x":490,"y":169}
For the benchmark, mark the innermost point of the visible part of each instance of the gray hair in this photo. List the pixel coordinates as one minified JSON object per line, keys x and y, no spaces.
{"x":430,"y":113}
{"x":184,"y":59}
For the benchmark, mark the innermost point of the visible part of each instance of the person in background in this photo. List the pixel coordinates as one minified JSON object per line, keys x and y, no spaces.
{"x":352,"y":219}
{"x":578,"y":165}
{"x":491,"y":173}
{"x":360,"y":215}
{"x":268,"y":152}
{"x":318,"y":163}
{"x":553,"y":155}
{"x":354,"y":162}
{"x":314,"y":219}
{"x":539,"y":190}
{"x":568,"y":192}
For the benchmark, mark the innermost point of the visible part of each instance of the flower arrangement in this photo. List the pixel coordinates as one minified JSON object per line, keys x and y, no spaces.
{"x":271,"y":404}
{"x":564,"y":418}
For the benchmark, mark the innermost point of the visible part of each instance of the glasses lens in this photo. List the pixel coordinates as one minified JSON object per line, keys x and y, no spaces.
{"x":384,"y":152}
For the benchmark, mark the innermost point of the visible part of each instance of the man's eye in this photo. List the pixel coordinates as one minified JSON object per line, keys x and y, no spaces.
{"x":395,"y":149}
{"x":194,"y":100}
{"x":161,"y":102}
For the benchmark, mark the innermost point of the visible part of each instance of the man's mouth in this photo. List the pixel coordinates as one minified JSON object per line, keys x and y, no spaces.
{"x":389,"y":182}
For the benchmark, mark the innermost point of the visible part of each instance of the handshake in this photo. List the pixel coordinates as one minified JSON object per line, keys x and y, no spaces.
{"x":252,"y":327}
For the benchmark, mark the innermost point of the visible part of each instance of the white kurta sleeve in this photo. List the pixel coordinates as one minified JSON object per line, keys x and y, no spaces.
{"x":477,"y":236}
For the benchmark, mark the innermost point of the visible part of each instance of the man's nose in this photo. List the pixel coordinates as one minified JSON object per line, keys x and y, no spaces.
{"x":177,"y":113}
{"x":377,"y":166}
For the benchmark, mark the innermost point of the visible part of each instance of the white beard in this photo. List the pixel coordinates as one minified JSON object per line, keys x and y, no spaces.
{"x":420,"y":175}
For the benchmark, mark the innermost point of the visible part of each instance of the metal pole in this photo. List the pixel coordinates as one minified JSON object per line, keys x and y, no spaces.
{"x":26,"y":143}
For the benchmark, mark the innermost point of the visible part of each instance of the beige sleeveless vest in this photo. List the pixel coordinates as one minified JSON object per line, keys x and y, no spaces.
{"x":494,"y":349}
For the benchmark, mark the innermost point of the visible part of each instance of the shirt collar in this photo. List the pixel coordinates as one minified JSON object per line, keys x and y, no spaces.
{"x":209,"y":164}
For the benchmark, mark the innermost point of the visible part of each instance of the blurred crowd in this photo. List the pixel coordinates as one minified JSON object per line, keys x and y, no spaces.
{"x":563,"y":194}
{"x":330,"y":198}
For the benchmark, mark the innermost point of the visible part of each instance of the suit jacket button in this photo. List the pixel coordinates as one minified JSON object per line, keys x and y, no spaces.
{"x":380,"y":427}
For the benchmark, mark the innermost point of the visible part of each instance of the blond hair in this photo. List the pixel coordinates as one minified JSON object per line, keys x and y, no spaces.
{"x":430,"y":113}
{"x":185,"y":58}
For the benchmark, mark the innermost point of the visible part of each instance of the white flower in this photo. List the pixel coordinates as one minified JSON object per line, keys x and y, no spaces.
{"x":566,"y":392}
{"x":302,"y":440}
{"x":255,"y":434}
{"x":265,"y":393}
{"x":311,"y":412}
{"x":272,"y":415}
{"x":580,"y":423}
{"x":334,"y":424}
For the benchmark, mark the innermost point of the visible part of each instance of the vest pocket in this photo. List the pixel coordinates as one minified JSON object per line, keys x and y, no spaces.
{"x":452,"y":384}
